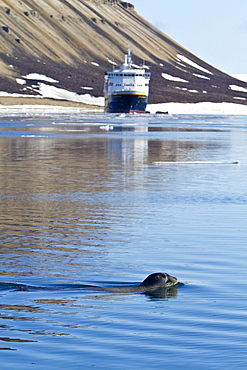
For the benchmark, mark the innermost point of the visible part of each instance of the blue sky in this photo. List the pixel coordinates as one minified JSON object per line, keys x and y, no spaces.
{"x":213,"y":30}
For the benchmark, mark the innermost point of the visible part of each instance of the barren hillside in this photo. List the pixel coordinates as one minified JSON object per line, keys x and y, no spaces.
{"x":73,"y":42}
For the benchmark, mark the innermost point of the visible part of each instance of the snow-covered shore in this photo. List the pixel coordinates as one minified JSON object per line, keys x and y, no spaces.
{"x":199,"y":108}
{"x":44,"y":109}
{"x":171,"y":108}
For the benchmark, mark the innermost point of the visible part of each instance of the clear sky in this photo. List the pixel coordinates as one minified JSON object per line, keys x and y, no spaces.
{"x":213,"y":30}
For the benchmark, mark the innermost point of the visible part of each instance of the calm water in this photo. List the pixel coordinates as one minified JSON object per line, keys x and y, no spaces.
{"x":82,"y":203}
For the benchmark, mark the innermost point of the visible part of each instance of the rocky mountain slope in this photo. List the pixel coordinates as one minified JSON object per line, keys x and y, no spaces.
{"x":73,"y":42}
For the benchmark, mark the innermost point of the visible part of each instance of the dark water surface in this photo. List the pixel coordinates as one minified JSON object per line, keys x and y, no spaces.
{"x":82,"y":203}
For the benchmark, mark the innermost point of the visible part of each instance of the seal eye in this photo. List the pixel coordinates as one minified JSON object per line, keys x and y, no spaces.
{"x":157,"y":277}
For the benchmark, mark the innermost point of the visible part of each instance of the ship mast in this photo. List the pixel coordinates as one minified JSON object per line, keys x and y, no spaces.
{"x":128,"y":58}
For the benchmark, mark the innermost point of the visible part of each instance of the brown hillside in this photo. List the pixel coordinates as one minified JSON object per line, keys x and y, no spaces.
{"x":75,"y":42}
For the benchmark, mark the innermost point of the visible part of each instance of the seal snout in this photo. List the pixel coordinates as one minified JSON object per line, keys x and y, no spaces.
{"x":172,"y":279}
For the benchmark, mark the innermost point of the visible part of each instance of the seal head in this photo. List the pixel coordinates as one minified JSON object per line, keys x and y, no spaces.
{"x":159,"y":280}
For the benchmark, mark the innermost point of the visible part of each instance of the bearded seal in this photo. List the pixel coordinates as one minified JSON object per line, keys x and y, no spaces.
{"x":158,"y":280}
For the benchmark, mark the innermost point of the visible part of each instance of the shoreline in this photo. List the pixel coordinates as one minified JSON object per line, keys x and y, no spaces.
{"x":15,"y":105}
{"x":29,"y":101}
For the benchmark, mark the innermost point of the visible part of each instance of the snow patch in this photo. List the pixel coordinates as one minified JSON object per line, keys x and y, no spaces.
{"x":53,"y":92}
{"x":239,"y":98}
{"x":20,"y":81}
{"x":112,"y":62}
{"x":86,"y":88}
{"x":37,"y":76}
{"x":201,"y":76}
{"x":172,"y":78}
{"x":139,"y":67}
{"x":181,"y":88}
{"x":193,"y":64}
{"x":238,"y":88}
{"x":57,"y":93}
{"x":95,"y":64}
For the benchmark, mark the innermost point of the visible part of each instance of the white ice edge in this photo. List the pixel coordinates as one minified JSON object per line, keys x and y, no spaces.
{"x":199,"y":108}
{"x":195,"y":162}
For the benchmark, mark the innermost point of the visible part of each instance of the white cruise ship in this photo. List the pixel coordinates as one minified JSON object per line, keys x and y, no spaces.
{"x":126,"y":89}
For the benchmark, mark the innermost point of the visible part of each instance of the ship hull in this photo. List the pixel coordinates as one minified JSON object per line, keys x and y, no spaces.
{"x":126,"y":103}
